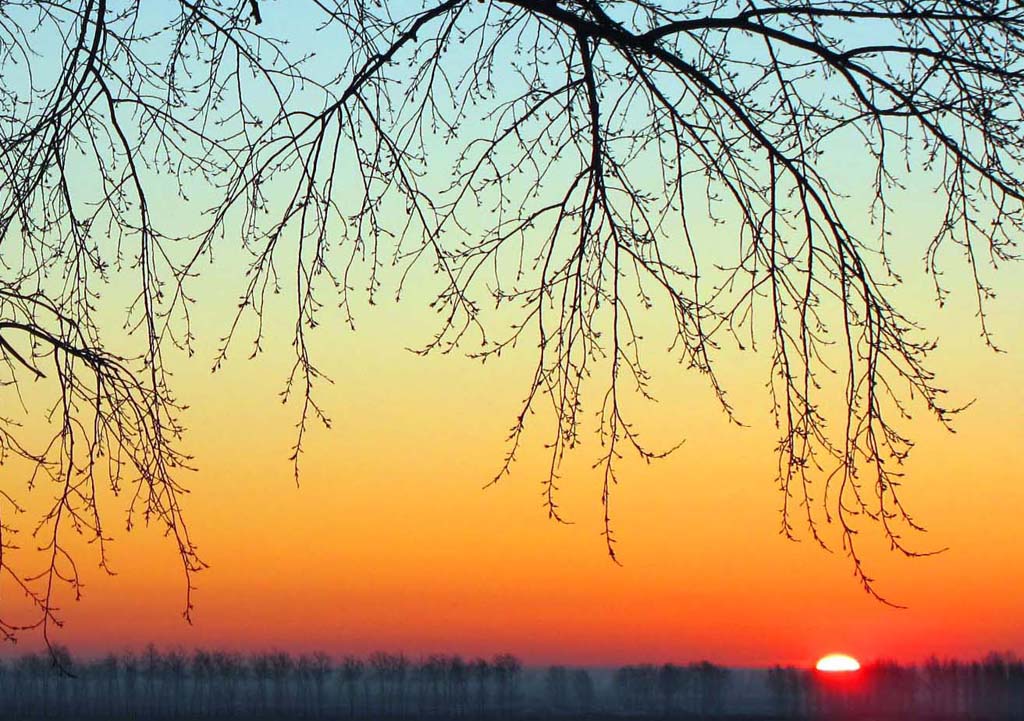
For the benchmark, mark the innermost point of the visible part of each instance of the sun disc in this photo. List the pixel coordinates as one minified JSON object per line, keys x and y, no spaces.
{"x":837,"y":662}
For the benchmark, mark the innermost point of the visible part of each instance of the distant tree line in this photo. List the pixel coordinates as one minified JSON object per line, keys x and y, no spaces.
{"x":671,"y":690}
{"x":992,"y":688}
{"x":219,"y":684}
{"x":155,"y":684}
{"x":171,"y":684}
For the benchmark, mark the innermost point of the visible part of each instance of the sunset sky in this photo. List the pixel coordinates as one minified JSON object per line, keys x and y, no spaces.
{"x":390,"y":542}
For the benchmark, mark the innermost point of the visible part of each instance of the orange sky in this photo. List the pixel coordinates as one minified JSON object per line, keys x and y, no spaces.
{"x":390,"y":543}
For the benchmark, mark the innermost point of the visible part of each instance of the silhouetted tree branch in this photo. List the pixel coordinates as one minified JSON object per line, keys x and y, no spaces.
{"x":552,"y":159}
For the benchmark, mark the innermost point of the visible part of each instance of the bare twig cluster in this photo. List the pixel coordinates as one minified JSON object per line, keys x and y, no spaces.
{"x":553,"y":162}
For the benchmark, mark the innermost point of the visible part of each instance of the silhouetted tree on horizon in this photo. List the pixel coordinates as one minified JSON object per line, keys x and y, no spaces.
{"x":350,"y":673}
{"x":556,"y":687}
{"x":583,"y":691}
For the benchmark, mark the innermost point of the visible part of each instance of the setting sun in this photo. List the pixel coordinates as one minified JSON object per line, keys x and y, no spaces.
{"x":837,"y":662}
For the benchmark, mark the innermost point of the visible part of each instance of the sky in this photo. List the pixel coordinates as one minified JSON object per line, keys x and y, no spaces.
{"x":391,"y":542}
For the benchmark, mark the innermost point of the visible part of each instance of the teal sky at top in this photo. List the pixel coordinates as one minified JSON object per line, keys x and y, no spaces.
{"x":917,"y":210}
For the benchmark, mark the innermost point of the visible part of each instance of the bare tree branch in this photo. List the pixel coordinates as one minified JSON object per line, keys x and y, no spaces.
{"x":553,"y":163}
